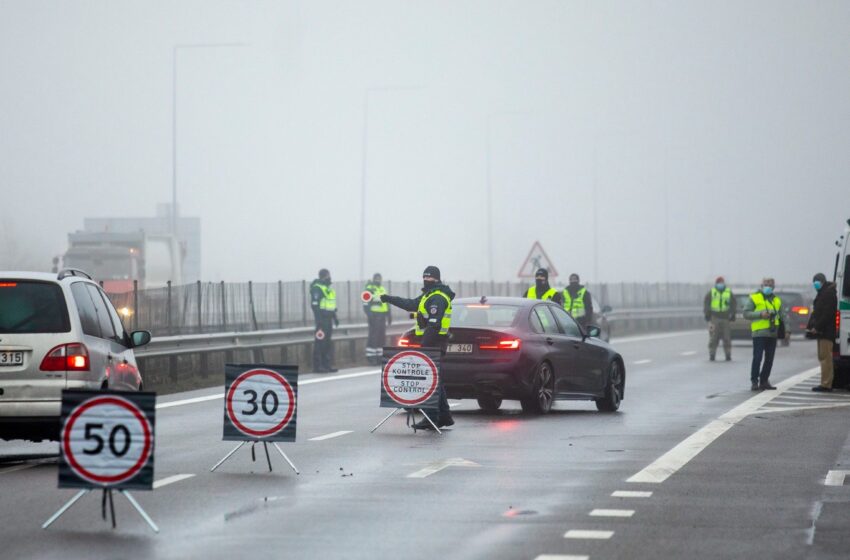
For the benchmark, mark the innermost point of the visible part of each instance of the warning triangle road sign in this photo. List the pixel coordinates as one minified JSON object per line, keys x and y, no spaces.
{"x":537,"y":258}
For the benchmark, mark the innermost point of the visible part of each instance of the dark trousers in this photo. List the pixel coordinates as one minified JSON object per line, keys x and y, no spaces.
{"x":443,"y":409}
{"x":377,"y":336}
{"x":323,"y":349}
{"x":763,"y":346}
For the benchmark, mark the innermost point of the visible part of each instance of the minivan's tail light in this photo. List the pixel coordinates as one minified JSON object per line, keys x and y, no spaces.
{"x":800,"y":310}
{"x":405,"y":343}
{"x":67,"y":357}
{"x":508,"y":344}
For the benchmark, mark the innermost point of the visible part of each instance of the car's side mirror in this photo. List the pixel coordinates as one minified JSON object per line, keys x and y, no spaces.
{"x":606,"y":309}
{"x":593,"y":331}
{"x":140,"y":338}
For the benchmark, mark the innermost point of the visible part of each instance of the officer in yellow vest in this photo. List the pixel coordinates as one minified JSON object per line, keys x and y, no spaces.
{"x":719,"y":309}
{"x":433,"y":310}
{"x":323,"y":304}
{"x":577,"y":301}
{"x":378,"y":316}
{"x":541,"y":288}
{"x":764,"y":309}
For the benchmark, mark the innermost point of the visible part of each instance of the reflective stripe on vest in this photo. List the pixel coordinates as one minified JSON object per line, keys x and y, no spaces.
{"x":761,"y":304}
{"x":720,"y":300}
{"x":575,"y":307}
{"x":532,"y":293}
{"x":422,"y":314}
{"x":376,"y":305}
{"x":328,"y":301}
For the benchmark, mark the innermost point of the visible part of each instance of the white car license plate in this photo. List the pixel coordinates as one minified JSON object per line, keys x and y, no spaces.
{"x":459,"y":348}
{"x":11,"y":358}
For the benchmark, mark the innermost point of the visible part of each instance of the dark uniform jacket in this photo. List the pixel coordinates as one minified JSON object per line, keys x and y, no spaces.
{"x":316,"y":296}
{"x":435,"y":306}
{"x":822,"y":319}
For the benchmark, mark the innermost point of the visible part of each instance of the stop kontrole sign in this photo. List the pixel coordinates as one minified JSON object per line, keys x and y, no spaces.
{"x":260,"y":403}
{"x":107,"y":440}
{"x":410,"y":378}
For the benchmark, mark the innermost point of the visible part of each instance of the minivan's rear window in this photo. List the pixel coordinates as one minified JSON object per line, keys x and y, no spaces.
{"x":32,"y":307}
{"x":478,"y":315}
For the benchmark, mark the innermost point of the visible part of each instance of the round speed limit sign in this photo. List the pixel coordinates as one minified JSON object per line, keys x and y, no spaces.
{"x":107,"y":440}
{"x":410,"y":378}
{"x":260,"y":403}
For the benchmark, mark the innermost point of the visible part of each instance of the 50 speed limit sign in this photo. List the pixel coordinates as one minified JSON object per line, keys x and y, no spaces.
{"x":260,"y":402}
{"x":410,"y":378}
{"x":107,"y":440}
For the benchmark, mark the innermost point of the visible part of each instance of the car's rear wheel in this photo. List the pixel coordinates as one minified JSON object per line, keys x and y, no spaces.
{"x":489,"y":404}
{"x":613,"y":391}
{"x":543,"y":391}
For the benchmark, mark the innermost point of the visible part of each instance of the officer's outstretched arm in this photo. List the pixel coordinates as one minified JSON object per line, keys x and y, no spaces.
{"x":402,"y":303}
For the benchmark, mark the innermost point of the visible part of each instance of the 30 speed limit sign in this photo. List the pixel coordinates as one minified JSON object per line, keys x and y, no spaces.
{"x":260,"y":402}
{"x":410,"y":378}
{"x":107,"y":440}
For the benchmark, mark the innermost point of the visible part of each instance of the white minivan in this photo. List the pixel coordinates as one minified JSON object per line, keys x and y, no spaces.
{"x":58,"y":331}
{"x":842,"y":285}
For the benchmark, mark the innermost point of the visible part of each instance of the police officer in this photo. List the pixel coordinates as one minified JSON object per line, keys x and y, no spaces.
{"x":541,"y":288}
{"x":577,"y":301}
{"x":764,"y":309}
{"x":323,"y":304}
{"x":433,"y":310}
{"x":378,"y":316}
{"x":719,"y":309}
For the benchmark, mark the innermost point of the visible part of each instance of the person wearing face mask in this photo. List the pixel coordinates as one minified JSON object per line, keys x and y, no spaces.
{"x":719,"y":309}
{"x":764,"y":309}
{"x":323,"y":304}
{"x":433,"y":310}
{"x":822,"y":328}
{"x":577,"y":301}
{"x":541,"y":288}
{"x":378,"y":316}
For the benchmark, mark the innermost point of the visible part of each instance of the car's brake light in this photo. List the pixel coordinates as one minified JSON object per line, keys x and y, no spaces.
{"x":8,"y":284}
{"x":508,"y":344}
{"x":67,"y":357}
{"x":799,"y":310}
{"x":405,"y":343}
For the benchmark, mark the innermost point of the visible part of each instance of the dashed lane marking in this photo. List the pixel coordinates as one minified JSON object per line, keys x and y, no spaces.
{"x":170,"y":480}
{"x":331,"y":435}
{"x":584,"y":534}
{"x":641,"y":362}
{"x":835,"y":478}
{"x":670,"y":463}
{"x":631,"y":494}
{"x":17,"y":468}
{"x":612,"y":513}
{"x":689,"y":353}
{"x":440,"y":465}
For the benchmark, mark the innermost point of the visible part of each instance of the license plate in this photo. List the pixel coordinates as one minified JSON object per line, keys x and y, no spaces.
{"x":459,"y":348}
{"x":11,"y":358}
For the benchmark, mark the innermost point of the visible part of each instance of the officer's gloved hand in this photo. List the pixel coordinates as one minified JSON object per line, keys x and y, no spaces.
{"x":336,"y":321}
{"x":384,"y":298}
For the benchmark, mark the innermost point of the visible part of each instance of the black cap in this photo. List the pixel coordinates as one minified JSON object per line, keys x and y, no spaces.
{"x":432,"y":271}
{"x":820,"y":276}
{"x":542,"y":272}
{"x":324,"y":272}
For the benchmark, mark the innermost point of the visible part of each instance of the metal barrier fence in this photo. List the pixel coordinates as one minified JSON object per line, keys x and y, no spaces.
{"x":207,"y":307}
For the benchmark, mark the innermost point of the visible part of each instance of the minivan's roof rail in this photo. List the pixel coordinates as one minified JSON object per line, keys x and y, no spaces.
{"x":66,"y":272}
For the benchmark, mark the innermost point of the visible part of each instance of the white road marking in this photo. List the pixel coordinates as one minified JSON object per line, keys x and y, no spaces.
{"x":578,"y":534}
{"x":790,"y":408}
{"x":669,"y":463}
{"x":612,"y":513}
{"x":654,"y":336}
{"x":17,"y":468}
{"x":814,"y":397}
{"x":561,"y":557}
{"x":630,"y":494}
{"x":170,"y":480}
{"x":440,"y":465}
{"x":835,"y":478}
{"x":689,"y":353}
{"x":454,"y":404}
{"x":330,"y":436}
{"x":305,"y":382}
{"x":640,"y":362}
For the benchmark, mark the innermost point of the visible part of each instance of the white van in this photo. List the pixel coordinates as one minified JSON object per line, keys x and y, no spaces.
{"x":842,"y":283}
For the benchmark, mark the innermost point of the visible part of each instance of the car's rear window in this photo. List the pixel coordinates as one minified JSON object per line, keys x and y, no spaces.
{"x":483,"y":315}
{"x":32,"y":307}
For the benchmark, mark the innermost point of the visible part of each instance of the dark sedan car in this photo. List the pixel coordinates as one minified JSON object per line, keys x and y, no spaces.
{"x":527,"y":350}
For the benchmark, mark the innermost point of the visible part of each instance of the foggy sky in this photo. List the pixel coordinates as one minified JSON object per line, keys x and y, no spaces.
{"x":715,"y":135}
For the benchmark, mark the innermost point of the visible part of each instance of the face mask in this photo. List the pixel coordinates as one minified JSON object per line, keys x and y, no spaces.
{"x":767,"y":290}
{"x":818,"y":285}
{"x":428,"y":284}
{"x":540,"y":283}
{"x":720,"y":287}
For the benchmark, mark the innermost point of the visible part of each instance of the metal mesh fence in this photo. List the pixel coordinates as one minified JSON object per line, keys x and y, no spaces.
{"x":206,"y":307}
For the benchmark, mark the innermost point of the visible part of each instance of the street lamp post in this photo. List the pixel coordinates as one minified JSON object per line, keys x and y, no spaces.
{"x":177,"y":49}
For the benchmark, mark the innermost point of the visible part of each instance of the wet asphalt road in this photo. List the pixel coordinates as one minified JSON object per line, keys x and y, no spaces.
{"x":496,"y":486}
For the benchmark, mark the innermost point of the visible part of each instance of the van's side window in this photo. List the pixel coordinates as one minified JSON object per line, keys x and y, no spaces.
{"x":845,"y":288}
{"x":88,"y":315}
{"x":106,"y":328}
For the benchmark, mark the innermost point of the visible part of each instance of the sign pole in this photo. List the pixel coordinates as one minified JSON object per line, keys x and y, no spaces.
{"x":139,"y":509}
{"x":282,"y":454}
{"x":226,"y":457}
{"x":65,"y":508}
{"x":387,"y":417}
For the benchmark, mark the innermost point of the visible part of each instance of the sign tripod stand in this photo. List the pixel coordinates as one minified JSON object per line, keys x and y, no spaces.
{"x":107,"y":497}
{"x":254,"y":455}
{"x":411,"y":419}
